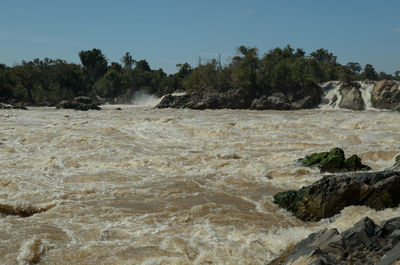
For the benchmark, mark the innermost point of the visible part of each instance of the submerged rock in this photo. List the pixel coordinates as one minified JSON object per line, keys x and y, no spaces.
{"x":351,"y":97}
{"x":79,"y":103}
{"x":364,"y":243}
{"x":333,"y":161}
{"x":329,"y":195}
{"x":386,"y":95}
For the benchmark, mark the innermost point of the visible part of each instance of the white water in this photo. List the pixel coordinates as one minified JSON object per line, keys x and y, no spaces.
{"x":143,"y":99}
{"x":149,"y":186}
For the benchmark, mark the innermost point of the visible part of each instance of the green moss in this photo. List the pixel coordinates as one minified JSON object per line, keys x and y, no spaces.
{"x":290,"y":199}
{"x":353,"y":163}
{"x":333,"y":161}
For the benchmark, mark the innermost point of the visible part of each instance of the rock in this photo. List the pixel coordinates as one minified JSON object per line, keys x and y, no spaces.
{"x":233,"y":99}
{"x":396,"y":166}
{"x":364,"y":243}
{"x":17,"y":105}
{"x":305,"y":98}
{"x":79,"y":103}
{"x":243,"y":98}
{"x":277,"y":102}
{"x":386,"y":95}
{"x":329,"y":195}
{"x":351,"y":97}
{"x":333,"y":161}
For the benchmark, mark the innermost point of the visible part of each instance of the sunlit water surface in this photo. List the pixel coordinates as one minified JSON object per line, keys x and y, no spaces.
{"x":149,"y":186}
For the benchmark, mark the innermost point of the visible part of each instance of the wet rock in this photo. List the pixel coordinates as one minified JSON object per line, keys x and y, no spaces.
{"x":79,"y":103}
{"x":329,"y":195}
{"x":351,"y":97}
{"x":386,"y":95}
{"x":333,"y":161}
{"x":364,"y":243}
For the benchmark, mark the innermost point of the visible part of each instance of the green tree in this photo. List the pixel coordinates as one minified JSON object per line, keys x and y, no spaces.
{"x":355,"y":68}
{"x":127,"y":61}
{"x":28,"y":78}
{"x":94,"y":65}
{"x":244,"y":68}
{"x":369,"y":73}
{"x":142,"y":65}
{"x":323,"y":56}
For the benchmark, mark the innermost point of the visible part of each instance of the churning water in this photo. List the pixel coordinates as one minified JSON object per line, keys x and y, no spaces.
{"x":149,"y":186}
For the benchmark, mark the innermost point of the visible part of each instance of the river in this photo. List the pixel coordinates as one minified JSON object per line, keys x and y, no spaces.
{"x":150,"y":186}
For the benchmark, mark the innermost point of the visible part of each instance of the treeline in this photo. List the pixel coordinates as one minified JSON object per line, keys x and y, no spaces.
{"x":48,"y":81}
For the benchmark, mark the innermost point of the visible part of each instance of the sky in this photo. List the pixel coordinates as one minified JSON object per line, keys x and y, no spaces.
{"x":169,"y":32}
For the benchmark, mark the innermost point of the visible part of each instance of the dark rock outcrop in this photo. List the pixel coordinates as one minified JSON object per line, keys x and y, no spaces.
{"x":386,"y":95}
{"x":333,"y":161}
{"x":364,"y":243}
{"x":17,"y":105}
{"x":329,"y":195}
{"x":233,"y":99}
{"x":242,"y":98}
{"x":79,"y":103}
{"x":351,"y":97}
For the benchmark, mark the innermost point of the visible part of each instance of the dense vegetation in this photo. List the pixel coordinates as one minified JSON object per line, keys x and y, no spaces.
{"x":48,"y":81}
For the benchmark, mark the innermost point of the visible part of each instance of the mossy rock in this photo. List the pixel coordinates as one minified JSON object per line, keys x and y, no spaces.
{"x":353,"y":163}
{"x":333,"y":161}
{"x":290,"y":199}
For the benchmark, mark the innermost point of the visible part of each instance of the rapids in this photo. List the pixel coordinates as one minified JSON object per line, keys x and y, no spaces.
{"x":150,"y":186}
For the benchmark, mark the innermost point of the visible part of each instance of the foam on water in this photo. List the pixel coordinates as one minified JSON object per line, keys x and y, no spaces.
{"x":149,"y":186}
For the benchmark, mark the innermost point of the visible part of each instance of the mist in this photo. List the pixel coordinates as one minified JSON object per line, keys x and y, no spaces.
{"x":144,"y":99}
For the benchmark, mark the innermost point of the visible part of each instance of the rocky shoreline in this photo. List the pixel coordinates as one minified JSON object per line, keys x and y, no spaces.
{"x":364,"y":243}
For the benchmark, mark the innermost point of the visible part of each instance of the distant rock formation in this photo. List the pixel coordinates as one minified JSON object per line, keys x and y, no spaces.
{"x":351,"y":96}
{"x":241,"y":98}
{"x":386,"y":95}
{"x":364,"y":243}
{"x":13,"y":106}
{"x":79,"y":103}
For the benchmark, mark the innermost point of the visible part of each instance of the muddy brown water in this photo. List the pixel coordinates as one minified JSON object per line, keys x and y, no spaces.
{"x":147,"y":186}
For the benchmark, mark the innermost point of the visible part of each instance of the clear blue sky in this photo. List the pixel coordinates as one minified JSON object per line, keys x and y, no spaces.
{"x":166,"y":33}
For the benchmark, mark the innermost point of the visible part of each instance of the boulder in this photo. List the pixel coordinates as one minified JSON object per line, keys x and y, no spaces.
{"x":386,"y":95}
{"x":364,"y":243}
{"x":329,"y":195}
{"x":79,"y":103}
{"x":351,"y":97}
{"x":333,"y":161}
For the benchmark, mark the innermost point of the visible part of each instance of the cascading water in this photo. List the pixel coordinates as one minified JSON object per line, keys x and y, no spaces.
{"x":332,"y":97}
